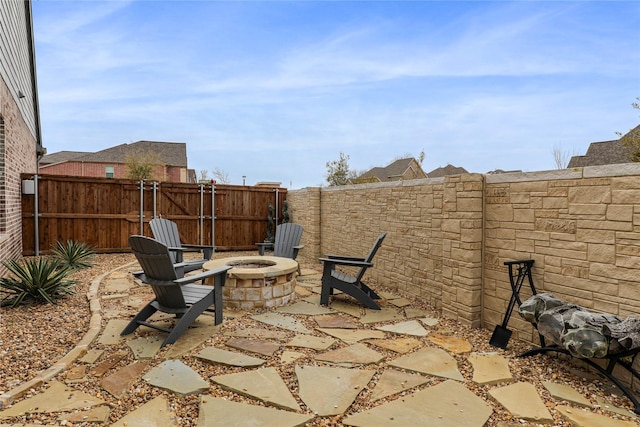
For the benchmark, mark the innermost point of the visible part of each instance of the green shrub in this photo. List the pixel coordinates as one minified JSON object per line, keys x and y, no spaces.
{"x":35,"y":281}
{"x":75,"y":255}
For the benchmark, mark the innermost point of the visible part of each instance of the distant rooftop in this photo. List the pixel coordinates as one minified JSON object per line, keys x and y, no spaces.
{"x":605,"y":153}
{"x":171,"y":153}
{"x":446,"y":170}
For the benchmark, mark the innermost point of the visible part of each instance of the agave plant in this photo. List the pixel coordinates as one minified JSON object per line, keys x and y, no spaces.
{"x":35,"y":280}
{"x":75,"y":255}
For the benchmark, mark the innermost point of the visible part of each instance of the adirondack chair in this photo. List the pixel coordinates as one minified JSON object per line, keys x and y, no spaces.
{"x":351,"y":285}
{"x":166,"y":232}
{"x":286,"y":243}
{"x":174,"y":293}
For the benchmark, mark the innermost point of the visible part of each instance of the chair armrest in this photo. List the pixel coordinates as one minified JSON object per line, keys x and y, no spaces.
{"x":347,"y":262}
{"x":207,"y":250}
{"x":347,"y":258}
{"x":197,"y":247}
{"x":262,"y":246}
{"x":204,"y":275}
{"x":298,"y":247}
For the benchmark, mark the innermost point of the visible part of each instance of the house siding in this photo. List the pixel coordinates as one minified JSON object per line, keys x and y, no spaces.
{"x":15,"y":57}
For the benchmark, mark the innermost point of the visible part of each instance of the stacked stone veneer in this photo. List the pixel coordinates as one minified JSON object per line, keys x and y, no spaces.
{"x":265,"y":292}
{"x":448,"y":238}
{"x":257,"y":282}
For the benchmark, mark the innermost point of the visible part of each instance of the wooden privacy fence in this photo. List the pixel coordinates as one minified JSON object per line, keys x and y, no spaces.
{"x":104,"y":212}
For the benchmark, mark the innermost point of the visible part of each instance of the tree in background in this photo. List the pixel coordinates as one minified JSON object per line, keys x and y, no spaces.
{"x":143,"y":165}
{"x":220,"y":176}
{"x":560,"y":157}
{"x":632,"y":138}
{"x":338,"y":171}
{"x":203,"y":175}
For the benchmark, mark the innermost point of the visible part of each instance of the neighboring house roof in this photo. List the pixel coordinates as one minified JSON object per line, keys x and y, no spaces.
{"x":171,"y":153}
{"x":408,"y":168}
{"x":61,"y":157}
{"x":605,"y":153}
{"x":447,"y":170}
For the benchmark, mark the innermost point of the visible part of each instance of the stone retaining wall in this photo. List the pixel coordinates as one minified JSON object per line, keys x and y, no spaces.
{"x":449,"y":237}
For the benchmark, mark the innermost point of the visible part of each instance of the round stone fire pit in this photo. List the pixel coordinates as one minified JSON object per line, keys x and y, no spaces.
{"x":257,"y":281}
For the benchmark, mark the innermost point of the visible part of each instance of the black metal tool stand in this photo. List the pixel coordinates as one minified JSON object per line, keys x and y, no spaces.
{"x":517,"y":279}
{"x":501,"y":335}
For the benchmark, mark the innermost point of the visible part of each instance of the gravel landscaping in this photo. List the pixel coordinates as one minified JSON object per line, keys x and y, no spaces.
{"x":33,"y":338}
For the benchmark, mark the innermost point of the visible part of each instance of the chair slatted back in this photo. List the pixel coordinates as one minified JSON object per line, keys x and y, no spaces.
{"x":159,"y":273}
{"x":166,"y":231}
{"x":288,"y":235}
{"x":372,"y":253}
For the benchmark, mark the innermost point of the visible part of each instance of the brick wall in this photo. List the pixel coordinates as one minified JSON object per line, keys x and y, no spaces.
{"x":97,"y":170}
{"x":19,"y":156}
{"x":448,"y":238}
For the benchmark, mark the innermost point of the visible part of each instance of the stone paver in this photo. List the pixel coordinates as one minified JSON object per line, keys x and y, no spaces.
{"x":311,"y":341}
{"x":290,"y":356}
{"x":191,"y":339}
{"x":281,"y":321}
{"x":355,"y":354}
{"x":352,"y":336}
{"x":490,"y":368}
{"x":566,"y":393}
{"x":330,"y":391}
{"x":429,"y":321}
{"x":111,"y":361}
{"x":412,"y":313}
{"x":145,"y":347}
{"x":409,"y":327}
{"x":392,"y":381}
{"x":56,"y":398}
{"x":385,"y":314}
{"x":347,"y":307}
{"x":451,"y":343}
{"x":155,"y":413}
{"x":432,"y":361}
{"x":120,"y":381}
{"x":399,"y":345}
{"x":584,"y":418}
{"x":448,"y":404}
{"x":116,"y":285}
{"x":523,"y":401}
{"x":111,"y":333}
{"x":399,"y":302}
{"x":215,"y":412}
{"x":175,"y":376}
{"x":91,"y":356}
{"x":304,"y":308}
{"x":336,"y":321}
{"x":263,"y":347}
{"x":263,"y":333}
{"x":98,"y":414}
{"x":604,"y":404}
{"x":263,"y":384}
{"x":225,"y":357}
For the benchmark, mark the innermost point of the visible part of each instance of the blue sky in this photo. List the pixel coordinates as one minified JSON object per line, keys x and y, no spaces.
{"x":273,"y":90}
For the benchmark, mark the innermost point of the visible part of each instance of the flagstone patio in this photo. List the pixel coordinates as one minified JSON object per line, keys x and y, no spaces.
{"x":301,"y":364}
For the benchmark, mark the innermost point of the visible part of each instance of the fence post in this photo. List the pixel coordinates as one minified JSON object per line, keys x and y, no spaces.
{"x":201,"y":214}
{"x":213,"y":213}
{"x":277,"y":197}
{"x":155,"y":199}
{"x":142,"y":207}
{"x":36,"y":212}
